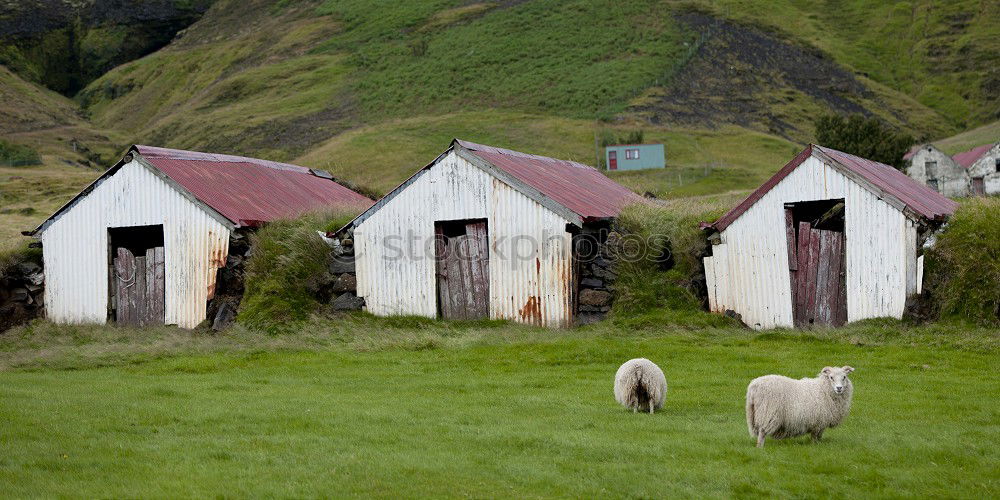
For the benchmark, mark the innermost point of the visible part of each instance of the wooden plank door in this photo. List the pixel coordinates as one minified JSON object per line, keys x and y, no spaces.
{"x":819,"y":288}
{"x":462,"y":269}
{"x":612,"y":160}
{"x":126,"y":295}
{"x":139,"y":286}
{"x":978,"y":186}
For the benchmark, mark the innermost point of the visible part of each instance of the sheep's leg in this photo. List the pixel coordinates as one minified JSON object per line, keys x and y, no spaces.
{"x":817,"y":435}
{"x":651,"y":405}
{"x":760,"y":438}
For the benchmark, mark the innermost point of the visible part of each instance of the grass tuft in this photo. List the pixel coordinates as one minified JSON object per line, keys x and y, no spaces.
{"x":963,"y":269}
{"x":288,"y":263}
{"x":665,"y":277}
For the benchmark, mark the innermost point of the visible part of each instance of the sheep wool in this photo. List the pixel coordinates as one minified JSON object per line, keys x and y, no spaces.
{"x":640,"y":385}
{"x":782,"y":407}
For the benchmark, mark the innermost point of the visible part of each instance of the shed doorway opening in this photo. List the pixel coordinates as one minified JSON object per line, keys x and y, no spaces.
{"x":463,"y":273}
{"x":136,"y":275}
{"x":816,"y":262}
{"x":978,"y":186}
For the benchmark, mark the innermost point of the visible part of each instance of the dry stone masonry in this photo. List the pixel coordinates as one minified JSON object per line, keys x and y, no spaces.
{"x":596,"y":272}
{"x":344,"y":287}
{"x":22,"y":294}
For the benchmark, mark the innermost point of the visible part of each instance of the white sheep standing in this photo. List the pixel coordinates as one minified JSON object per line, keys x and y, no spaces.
{"x":640,"y":385}
{"x":782,"y":407}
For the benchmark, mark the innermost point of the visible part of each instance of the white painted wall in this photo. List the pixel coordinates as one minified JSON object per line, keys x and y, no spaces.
{"x":986,"y":167}
{"x":952,"y":179}
{"x":748,"y":271}
{"x":397,"y":280}
{"x":76,"y":255}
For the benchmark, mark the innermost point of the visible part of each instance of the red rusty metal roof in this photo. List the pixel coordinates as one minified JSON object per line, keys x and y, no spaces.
{"x":921,"y":199}
{"x":249,"y":191}
{"x":580,"y":188}
{"x":909,"y":154}
{"x":967,"y":158}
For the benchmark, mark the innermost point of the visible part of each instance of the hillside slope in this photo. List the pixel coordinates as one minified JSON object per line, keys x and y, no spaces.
{"x":278,"y":79}
{"x":65,"y":44}
{"x":969,"y":139}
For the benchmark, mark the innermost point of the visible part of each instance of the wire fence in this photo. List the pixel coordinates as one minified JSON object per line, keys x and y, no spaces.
{"x":19,"y":163}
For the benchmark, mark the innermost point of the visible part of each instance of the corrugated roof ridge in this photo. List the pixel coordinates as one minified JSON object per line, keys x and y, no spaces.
{"x":183,"y":154}
{"x":517,"y":154}
{"x":890,"y":177}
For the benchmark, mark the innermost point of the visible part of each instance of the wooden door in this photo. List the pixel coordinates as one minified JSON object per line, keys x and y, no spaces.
{"x":978,"y":186}
{"x":817,"y":267}
{"x":138,"y":287}
{"x":612,"y":160}
{"x":463,"y":278}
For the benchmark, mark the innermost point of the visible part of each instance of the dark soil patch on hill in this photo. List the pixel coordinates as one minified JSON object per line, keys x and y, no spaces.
{"x":64,"y":44}
{"x":743,"y":76}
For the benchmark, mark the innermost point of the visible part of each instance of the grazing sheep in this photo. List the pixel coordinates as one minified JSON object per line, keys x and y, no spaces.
{"x":781,"y":407}
{"x":640,"y":385}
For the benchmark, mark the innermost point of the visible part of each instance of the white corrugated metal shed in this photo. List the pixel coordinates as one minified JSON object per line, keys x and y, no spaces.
{"x":195,"y":200}
{"x":527,"y":202}
{"x":885,"y":214}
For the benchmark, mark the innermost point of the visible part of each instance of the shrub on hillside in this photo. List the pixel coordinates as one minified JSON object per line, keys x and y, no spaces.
{"x":963,"y":268}
{"x":287,"y":261}
{"x":864,"y":137}
{"x":17,"y":154}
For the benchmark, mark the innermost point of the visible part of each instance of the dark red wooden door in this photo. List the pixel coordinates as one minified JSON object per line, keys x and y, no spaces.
{"x":978,"y":186}
{"x":463,"y":278}
{"x":138,"y":287}
{"x":817,"y":267}
{"x":612,"y":160}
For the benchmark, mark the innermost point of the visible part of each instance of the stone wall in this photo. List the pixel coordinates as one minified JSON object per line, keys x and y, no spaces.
{"x":22,"y":296}
{"x":595,"y":270}
{"x":341,"y":291}
{"x":229,"y":281}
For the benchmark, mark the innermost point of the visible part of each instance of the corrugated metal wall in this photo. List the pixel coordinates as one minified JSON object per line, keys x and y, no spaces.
{"x":75,"y":248}
{"x":530,"y":251}
{"x":748,"y":271}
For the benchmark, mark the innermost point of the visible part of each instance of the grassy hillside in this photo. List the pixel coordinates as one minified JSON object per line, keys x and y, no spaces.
{"x":279,"y":79}
{"x":698,"y":161}
{"x":967,"y":140}
{"x":414,"y":408}
{"x":945,"y":54}
{"x":65,"y":44}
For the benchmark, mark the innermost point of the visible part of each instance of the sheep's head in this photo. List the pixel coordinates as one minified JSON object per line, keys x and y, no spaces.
{"x":837,"y":377}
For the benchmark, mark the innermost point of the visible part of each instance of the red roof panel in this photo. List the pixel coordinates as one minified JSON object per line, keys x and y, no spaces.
{"x":920,"y":198}
{"x":967,"y":158}
{"x":249,"y":191}
{"x":580,"y":188}
{"x":916,"y":195}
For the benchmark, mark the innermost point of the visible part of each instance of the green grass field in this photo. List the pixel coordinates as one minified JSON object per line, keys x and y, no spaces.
{"x":389,"y":408}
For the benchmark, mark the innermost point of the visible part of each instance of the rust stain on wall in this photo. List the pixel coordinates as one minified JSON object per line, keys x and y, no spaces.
{"x":217,"y":260}
{"x":532,"y":311}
